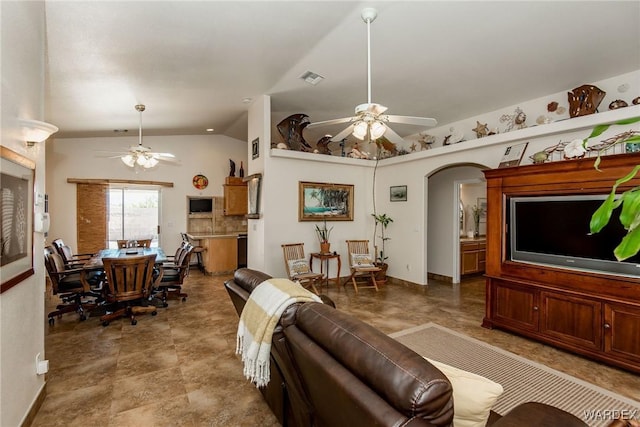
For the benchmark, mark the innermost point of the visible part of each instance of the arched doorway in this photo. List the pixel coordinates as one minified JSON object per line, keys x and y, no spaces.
{"x":443,"y":216}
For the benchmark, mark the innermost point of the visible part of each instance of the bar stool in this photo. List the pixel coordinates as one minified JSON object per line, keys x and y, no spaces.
{"x":197,"y":250}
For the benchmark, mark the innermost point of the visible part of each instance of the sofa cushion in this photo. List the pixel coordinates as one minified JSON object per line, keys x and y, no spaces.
{"x":361,"y":260}
{"x":473,"y":395}
{"x":298,"y":266}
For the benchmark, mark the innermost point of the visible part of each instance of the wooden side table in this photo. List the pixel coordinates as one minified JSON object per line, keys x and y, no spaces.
{"x":324,"y":264}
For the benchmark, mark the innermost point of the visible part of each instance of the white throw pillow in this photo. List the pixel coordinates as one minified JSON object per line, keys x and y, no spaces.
{"x":298,"y":267}
{"x":473,"y":395}
{"x":361,"y":260}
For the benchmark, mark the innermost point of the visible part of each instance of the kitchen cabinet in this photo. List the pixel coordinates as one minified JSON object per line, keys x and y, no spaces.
{"x":235,"y":197}
{"x":472,"y":256}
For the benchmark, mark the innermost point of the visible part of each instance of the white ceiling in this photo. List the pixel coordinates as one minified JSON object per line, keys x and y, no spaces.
{"x":192,"y":62}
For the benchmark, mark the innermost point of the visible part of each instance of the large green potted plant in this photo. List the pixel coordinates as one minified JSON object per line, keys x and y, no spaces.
{"x":381,"y":256}
{"x":629,"y":200}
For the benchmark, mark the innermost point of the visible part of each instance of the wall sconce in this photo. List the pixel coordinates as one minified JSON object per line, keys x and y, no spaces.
{"x":35,"y":131}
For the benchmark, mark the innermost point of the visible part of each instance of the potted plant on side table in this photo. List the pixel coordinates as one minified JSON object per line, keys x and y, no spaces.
{"x":383,"y":220}
{"x":323,"y":237}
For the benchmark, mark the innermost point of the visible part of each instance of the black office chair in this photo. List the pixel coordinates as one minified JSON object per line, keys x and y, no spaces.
{"x":197,"y":250}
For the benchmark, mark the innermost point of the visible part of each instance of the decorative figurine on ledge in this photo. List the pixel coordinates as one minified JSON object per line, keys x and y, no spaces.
{"x":291,"y":129}
{"x":322,"y":146}
{"x":584,"y":100}
{"x":481,"y":130}
{"x":514,"y":121}
{"x":232,"y":168}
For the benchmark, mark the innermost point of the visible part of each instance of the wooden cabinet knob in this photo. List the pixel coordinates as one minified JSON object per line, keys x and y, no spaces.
{"x":607,"y":326}
{"x":535,"y":308}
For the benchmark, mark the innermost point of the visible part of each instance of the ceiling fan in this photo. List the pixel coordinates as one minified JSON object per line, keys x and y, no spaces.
{"x":369,"y":121}
{"x":140,"y":156}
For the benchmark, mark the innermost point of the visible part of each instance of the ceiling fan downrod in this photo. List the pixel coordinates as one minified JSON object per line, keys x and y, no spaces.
{"x":140,"y":108}
{"x":369,"y":15}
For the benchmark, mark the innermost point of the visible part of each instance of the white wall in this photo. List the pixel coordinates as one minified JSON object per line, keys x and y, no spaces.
{"x":80,"y":158}
{"x":22,"y":317}
{"x":409,"y":234}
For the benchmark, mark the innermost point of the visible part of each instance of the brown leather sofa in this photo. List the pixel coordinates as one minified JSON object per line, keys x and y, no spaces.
{"x":331,"y":369}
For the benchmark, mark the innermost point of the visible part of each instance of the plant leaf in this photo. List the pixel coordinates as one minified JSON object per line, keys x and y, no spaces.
{"x":628,"y":121}
{"x":602,"y":215}
{"x":598,"y":130}
{"x":630,"y":208}
{"x":629,"y":246}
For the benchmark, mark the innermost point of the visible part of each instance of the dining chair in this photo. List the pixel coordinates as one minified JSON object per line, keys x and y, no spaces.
{"x":174,"y":273}
{"x":70,"y":259}
{"x":129,"y":283}
{"x":297,"y":266}
{"x":197,"y":251}
{"x":79,"y":289}
{"x":361,"y":264}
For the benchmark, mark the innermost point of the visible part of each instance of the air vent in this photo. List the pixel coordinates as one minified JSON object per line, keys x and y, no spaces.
{"x":312,"y":78}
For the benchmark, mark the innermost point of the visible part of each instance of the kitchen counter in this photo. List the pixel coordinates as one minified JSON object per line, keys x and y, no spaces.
{"x":221,"y":251}
{"x":216,"y":236}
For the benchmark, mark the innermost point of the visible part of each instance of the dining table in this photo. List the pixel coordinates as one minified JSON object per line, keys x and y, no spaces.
{"x":96,"y":260}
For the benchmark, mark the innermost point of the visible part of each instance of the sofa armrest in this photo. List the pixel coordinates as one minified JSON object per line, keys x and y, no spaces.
{"x":535,"y":414}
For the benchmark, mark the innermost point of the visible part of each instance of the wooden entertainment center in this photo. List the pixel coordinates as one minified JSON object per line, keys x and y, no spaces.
{"x":593,"y":314}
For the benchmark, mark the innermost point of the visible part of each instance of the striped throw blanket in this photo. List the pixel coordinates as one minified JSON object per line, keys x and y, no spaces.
{"x":259,"y":317}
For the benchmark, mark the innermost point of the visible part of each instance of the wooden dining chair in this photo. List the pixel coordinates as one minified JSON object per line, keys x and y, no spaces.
{"x":361,"y":264}
{"x":70,"y":259}
{"x":173,"y":274}
{"x":130,"y":282}
{"x":79,"y":289}
{"x":297,"y":266}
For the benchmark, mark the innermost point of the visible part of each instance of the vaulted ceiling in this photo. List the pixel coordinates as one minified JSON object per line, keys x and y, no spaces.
{"x":192,"y":63}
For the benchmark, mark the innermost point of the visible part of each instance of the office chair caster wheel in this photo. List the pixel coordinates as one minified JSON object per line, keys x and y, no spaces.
{"x":184,"y":299}
{"x":165,"y":305}
{"x":105,"y":323}
{"x":134,"y":322}
{"x":51,"y":321}
{"x":153,"y":313}
{"x":83,"y":317}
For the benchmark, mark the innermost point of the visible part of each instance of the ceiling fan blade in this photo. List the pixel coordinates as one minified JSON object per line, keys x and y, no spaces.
{"x":342,"y":135}
{"x":330,"y":122}
{"x":167,"y":155}
{"x":392,"y":136}
{"x":410,"y":120}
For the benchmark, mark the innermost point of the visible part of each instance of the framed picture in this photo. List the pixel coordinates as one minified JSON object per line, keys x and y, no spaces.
{"x":320,"y":201}
{"x":482,"y":204}
{"x":513,"y":155}
{"x":253,"y":190}
{"x":398,"y":193}
{"x":255,"y":148}
{"x":16,"y":208}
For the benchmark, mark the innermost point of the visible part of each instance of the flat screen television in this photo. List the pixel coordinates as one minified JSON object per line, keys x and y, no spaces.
{"x":554,"y":231}
{"x":200,"y":205}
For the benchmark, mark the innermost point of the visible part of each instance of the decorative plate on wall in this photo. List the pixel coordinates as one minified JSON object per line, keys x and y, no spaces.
{"x":200,"y":182}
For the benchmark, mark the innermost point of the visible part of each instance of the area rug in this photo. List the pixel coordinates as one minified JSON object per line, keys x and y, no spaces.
{"x":523,"y":380}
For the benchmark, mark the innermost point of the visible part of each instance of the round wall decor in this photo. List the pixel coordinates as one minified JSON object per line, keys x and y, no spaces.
{"x":200,"y":182}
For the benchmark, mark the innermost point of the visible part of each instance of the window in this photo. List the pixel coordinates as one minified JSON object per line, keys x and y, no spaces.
{"x":133,"y":214}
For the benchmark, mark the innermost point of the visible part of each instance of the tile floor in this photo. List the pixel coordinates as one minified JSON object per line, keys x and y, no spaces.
{"x":179,"y":368}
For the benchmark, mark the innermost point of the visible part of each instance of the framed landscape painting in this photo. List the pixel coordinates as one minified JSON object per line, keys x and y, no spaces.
{"x":16,"y":211}
{"x":322,"y":201}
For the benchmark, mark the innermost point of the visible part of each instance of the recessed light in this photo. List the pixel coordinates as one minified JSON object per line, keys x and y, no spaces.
{"x":312,"y":78}
{"x":210,"y":130}
{"x":246,"y":100}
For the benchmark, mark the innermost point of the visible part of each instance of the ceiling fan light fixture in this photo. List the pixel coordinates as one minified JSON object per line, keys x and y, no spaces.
{"x":360,"y":129}
{"x":128,"y":160}
{"x":377,"y":129}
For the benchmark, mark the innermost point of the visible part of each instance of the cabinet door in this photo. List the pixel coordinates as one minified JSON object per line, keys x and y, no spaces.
{"x":468,"y":261}
{"x":622,"y":329}
{"x":235,"y":200}
{"x":515,"y":305}
{"x":572,"y":320}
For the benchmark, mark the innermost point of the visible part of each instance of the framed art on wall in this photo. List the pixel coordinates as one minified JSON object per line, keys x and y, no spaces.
{"x":398,"y":193}
{"x":16,"y":210}
{"x":319,"y":201}
{"x":255,"y":148}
